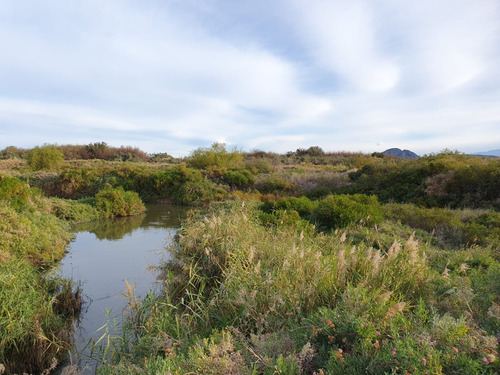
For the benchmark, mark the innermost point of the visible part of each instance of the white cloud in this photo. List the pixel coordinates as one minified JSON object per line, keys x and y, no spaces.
{"x":356,"y":73}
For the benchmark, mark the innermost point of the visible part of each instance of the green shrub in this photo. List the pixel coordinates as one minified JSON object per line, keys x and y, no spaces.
{"x":37,"y":236}
{"x":259,"y":165}
{"x":184,"y":186}
{"x":340,"y":211}
{"x":274,"y":185}
{"x":45,"y":158}
{"x":118,"y":202}
{"x":16,"y":192}
{"x":74,"y":211}
{"x":455,"y":228}
{"x":303,"y":205}
{"x":241,"y":178}
{"x":215,"y":156}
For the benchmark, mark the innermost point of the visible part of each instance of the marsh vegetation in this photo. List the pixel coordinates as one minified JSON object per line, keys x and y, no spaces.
{"x":304,"y":263}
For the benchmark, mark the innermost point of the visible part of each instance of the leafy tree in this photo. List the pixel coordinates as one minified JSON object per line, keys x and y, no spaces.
{"x":45,"y":158}
{"x":98,"y":150}
{"x":216,"y":156}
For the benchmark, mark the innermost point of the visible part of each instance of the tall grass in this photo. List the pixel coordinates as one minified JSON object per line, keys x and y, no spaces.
{"x":243,"y":297}
{"x":36,"y":311}
{"x":35,"y":318}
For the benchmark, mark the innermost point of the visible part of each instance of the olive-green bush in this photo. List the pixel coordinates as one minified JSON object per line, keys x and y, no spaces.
{"x":118,"y":202}
{"x":340,"y":211}
{"x":45,"y":158}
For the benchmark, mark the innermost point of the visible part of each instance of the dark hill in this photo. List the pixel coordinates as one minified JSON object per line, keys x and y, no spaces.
{"x":401,"y":154}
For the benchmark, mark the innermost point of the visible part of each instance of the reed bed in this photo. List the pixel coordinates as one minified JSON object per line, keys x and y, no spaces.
{"x":243,"y":297}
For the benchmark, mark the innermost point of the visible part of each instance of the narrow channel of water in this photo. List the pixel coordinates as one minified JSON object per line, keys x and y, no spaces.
{"x":104,"y":254}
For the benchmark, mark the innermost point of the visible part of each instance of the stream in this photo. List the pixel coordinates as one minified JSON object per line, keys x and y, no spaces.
{"x":103,"y":255}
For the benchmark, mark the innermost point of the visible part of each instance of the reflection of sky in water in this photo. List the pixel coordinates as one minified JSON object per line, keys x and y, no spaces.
{"x":106,"y":253}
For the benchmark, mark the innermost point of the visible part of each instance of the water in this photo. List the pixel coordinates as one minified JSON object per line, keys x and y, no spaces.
{"x":103,"y":255}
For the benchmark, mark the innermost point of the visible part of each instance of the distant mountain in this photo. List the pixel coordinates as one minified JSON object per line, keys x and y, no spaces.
{"x":402,"y":154}
{"x":488,"y":153}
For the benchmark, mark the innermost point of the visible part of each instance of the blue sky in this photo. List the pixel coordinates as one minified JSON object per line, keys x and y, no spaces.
{"x":174,"y":75}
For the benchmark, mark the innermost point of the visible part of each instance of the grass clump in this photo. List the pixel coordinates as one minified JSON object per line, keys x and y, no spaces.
{"x":35,"y":318}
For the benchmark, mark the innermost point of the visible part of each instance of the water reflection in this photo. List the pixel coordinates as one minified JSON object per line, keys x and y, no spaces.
{"x":156,"y":216}
{"x":107,"y":252}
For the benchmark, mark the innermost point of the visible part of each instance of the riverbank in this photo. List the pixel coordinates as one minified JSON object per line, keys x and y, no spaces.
{"x":37,"y":308}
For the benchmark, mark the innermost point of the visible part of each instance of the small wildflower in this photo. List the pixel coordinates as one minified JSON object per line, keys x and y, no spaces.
{"x":394,"y":352}
{"x":491,"y":358}
{"x":377,"y":333}
{"x":289,"y":314}
{"x":485,"y":361}
{"x":315,"y":330}
{"x":328,"y":322}
{"x":376,"y":344}
{"x":367,"y":316}
{"x":424,"y":361}
{"x":341,"y":351}
{"x":455,"y":350}
{"x":462,"y":340}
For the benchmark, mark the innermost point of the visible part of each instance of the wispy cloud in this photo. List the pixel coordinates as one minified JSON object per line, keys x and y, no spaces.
{"x":164,"y":74}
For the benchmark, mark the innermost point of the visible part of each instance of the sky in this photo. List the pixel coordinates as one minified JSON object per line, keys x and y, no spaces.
{"x":274,"y":75}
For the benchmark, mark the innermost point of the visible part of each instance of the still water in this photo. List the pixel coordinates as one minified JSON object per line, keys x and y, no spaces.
{"x":103,"y":255}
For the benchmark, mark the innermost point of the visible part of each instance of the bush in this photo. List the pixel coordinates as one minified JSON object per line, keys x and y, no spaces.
{"x":240,"y":178}
{"x":45,"y":158}
{"x":273,"y":185}
{"x":303,"y":205}
{"x":216,"y":156}
{"x":118,"y":202}
{"x":16,"y":192}
{"x":74,"y":211}
{"x":340,"y":211}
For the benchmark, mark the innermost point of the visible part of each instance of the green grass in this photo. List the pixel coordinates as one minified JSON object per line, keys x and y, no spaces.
{"x":245,"y":297}
{"x":35,"y":318}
